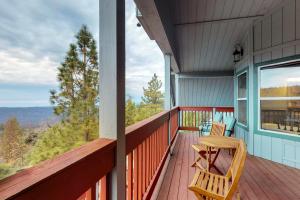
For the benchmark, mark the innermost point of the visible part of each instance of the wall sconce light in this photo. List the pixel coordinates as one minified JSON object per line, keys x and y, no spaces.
{"x":238,"y":53}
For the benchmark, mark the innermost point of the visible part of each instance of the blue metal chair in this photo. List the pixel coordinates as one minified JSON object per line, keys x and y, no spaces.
{"x":205,"y":127}
{"x":230,"y":122}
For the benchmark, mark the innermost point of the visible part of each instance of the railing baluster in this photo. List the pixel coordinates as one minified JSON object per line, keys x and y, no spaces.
{"x":129,"y":176}
{"x":135,"y":173}
{"x":143,"y":168}
{"x":140,"y":174}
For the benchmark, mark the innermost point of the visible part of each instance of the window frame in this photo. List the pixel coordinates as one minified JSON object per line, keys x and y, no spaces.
{"x":259,"y":98}
{"x":242,"y":72}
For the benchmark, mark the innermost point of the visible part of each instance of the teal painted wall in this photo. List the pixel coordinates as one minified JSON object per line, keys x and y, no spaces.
{"x":274,"y":38}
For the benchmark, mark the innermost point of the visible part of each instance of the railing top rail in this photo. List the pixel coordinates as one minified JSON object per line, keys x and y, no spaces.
{"x":138,"y":132}
{"x":208,"y":108}
{"x":63,"y":177}
{"x":224,"y":109}
{"x":195,"y":108}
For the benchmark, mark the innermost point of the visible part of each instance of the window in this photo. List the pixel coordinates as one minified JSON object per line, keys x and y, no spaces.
{"x":280,"y":99}
{"x":242,"y":98}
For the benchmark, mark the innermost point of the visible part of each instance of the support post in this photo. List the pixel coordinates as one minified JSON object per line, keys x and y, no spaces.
{"x":112,"y":88}
{"x":177,"y":90}
{"x":167,"y":101}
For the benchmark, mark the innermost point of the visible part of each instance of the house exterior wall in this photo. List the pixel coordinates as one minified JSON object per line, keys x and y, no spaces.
{"x":205,"y":91}
{"x":273,"y":39}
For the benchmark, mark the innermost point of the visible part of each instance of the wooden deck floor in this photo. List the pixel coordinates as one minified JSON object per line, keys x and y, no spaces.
{"x":261,"y":179}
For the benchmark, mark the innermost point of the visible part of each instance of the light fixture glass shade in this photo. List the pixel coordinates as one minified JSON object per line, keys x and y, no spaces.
{"x":236,"y":56}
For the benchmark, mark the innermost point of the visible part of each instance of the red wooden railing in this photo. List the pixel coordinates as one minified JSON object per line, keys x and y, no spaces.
{"x":192,"y":117}
{"x":72,"y":175}
{"x":82,"y":173}
{"x":147,"y":148}
{"x":174,"y":123}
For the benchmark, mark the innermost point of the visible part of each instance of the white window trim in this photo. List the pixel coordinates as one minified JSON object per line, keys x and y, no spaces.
{"x":242,"y":99}
{"x":270,"y":98}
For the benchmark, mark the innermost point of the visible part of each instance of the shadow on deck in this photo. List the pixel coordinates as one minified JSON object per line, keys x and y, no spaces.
{"x":261,"y":179}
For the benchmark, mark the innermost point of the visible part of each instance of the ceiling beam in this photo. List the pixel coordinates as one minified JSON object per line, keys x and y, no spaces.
{"x":205,"y":74}
{"x":218,"y":20}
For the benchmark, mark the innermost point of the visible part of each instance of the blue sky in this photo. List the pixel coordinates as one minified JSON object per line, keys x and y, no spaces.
{"x":35,"y":34}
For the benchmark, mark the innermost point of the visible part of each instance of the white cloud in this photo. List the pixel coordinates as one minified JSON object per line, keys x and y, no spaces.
{"x":35,"y":35}
{"x":19,"y":67}
{"x":143,"y":56}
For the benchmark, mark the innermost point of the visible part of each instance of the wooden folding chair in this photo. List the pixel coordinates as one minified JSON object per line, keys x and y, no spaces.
{"x":217,"y":129}
{"x":206,"y":185}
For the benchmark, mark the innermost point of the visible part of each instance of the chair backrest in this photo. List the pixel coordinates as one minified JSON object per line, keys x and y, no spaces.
{"x":236,"y":168}
{"x":218,"y":117}
{"x":218,"y":129}
{"x":230,"y":122}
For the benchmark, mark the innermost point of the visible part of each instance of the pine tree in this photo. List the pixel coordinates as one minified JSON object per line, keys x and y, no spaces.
{"x":130,"y":112}
{"x":152,"y":94}
{"x":12,"y":143}
{"x":152,"y":101}
{"x":78,"y":79}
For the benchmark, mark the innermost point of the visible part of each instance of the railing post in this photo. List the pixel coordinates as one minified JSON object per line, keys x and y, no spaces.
{"x":112,"y":88}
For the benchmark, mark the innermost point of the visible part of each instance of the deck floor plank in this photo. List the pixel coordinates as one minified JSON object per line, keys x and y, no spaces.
{"x":184,"y":173}
{"x":175,"y":181}
{"x":261,"y":179}
{"x":165,"y":187}
{"x":191,"y":170}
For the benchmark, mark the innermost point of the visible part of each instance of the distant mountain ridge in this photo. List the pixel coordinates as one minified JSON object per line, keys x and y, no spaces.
{"x":29,"y":116}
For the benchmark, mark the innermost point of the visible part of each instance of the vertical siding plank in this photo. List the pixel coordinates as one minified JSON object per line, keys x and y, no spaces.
{"x":276,"y":150}
{"x":289,"y":155}
{"x":266,"y":32}
{"x":298,"y":155}
{"x":266,"y":147}
{"x":257,"y":36}
{"x":277,"y":28}
{"x":297,"y":19}
{"x":289,"y":21}
{"x":257,"y":145}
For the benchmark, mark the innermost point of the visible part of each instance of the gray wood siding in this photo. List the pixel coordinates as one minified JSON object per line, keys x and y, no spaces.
{"x":213,"y":91}
{"x":277,"y":35}
{"x":208,"y":46}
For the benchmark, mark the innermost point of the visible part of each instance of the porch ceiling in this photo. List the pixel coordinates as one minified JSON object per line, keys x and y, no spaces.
{"x":206,"y":31}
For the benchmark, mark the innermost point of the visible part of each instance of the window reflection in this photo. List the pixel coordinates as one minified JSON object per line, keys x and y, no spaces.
{"x":281,"y":116}
{"x":280,"y":99}
{"x":242,"y":98}
{"x":280,"y":82}
{"x":242,"y":111}
{"x":242,"y":82}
